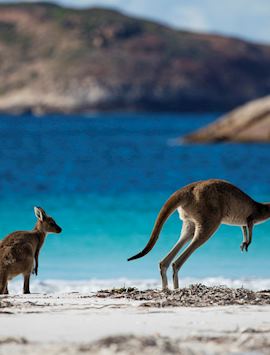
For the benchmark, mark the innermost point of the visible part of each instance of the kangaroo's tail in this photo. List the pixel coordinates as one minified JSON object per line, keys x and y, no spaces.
{"x":168,"y":208}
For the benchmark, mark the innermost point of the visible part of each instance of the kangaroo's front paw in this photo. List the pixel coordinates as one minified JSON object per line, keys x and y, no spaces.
{"x":244,"y":246}
{"x":35,"y":271}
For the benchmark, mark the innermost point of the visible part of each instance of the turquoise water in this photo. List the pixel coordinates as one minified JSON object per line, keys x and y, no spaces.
{"x":104,"y":178}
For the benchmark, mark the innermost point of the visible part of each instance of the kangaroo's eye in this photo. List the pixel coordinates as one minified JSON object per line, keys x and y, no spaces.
{"x":51,"y":224}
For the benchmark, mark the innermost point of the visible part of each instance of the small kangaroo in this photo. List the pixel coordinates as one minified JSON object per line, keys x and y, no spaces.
{"x":203,"y":206}
{"x":19,"y":250}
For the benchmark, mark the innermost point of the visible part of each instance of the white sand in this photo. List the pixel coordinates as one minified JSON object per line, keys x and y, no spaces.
{"x":72,"y":323}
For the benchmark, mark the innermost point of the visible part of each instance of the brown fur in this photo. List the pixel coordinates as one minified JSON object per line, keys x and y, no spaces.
{"x":19,"y":250}
{"x":203,"y":206}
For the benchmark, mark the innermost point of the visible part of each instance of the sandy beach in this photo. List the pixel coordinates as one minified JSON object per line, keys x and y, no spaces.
{"x":131,"y":322}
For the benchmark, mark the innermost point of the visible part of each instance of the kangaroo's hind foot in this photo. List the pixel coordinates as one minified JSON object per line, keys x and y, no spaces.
{"x":6,"y":291}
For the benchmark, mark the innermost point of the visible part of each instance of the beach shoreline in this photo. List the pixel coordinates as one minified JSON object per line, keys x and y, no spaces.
{"x":110,"y":321}
{"x":51,"y":286}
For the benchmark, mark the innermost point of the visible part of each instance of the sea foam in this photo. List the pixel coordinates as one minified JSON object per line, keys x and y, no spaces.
{"x":93,"y":285}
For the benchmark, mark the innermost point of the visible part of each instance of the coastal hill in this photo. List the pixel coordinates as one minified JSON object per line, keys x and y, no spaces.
{"x":56,"y":59}
{"x":248,"y":123}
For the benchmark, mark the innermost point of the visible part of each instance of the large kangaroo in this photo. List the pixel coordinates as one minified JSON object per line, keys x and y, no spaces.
{"x":19,"y":250}
{"x":203,"y":206}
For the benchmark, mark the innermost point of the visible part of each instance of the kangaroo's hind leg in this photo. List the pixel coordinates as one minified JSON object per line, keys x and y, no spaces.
{"x":28,"y":267}
{"x":187,"y":233}
{"x":3,"y":282}
{"x":202,"y":234}
{"x":26,"y":288}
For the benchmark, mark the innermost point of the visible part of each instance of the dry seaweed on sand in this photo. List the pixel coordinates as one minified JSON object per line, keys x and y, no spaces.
{"x":13,"y":340}
{"x":4,"y":303}
{"x":196,"y":295}
{"x":153,"y":344}
{"x":131,"y":344}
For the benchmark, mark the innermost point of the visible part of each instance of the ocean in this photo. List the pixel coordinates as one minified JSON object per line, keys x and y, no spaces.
{"x":104,"y":177}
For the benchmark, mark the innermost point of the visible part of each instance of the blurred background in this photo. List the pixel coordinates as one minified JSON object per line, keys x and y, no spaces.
{"x":96,"y":100}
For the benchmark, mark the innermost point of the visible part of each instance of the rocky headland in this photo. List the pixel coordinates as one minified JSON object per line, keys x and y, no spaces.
{"x":56,"y":59}
{"x":248,"y":123}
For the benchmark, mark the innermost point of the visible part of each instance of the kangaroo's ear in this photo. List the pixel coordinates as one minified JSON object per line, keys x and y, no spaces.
{"x":40,"y":213}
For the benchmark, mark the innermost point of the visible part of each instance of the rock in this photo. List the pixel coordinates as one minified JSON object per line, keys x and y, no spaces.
{"x":248,"y":123}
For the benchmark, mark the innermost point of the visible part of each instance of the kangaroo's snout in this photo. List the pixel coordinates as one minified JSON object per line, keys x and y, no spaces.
{"x":52,"y":227}
{"x":46,"y":223}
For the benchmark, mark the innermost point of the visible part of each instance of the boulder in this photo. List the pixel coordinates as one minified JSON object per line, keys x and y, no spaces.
{"x":247,"y":123}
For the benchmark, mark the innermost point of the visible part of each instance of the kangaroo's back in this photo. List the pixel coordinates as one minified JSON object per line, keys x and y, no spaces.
{"x":235,"y":205}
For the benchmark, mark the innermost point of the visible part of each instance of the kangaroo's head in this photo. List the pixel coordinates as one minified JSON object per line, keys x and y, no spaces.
{"x":46,"y":223}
